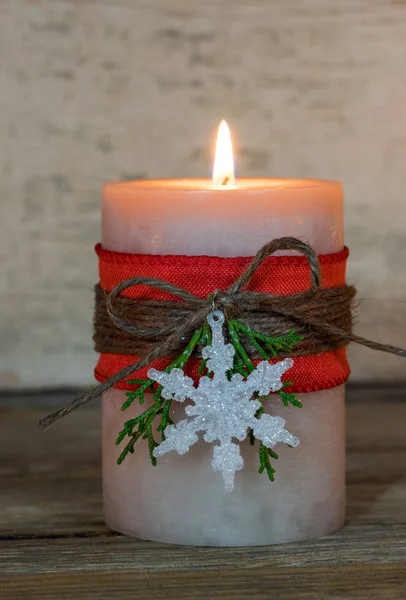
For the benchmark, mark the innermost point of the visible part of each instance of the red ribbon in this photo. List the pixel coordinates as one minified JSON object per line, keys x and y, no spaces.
{"x":201,"y":275}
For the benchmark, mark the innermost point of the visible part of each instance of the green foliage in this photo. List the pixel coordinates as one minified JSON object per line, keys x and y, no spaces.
{"x":289,"y":399}
{"x":265,"y":455}
{"x":268,"y":347}
{"x":142,"y":425}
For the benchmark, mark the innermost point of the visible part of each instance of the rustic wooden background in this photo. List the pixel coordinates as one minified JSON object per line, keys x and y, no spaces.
{"x":97,"y":90}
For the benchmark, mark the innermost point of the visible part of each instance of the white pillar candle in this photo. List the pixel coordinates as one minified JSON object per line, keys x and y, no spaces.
{"x":181,"y":500}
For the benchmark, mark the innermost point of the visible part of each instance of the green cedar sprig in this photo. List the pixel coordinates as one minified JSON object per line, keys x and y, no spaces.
{"x":141,"y":426}
{"x":268,"y":347}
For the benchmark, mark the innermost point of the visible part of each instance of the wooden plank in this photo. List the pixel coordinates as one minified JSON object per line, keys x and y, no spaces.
{"x":367,"y":544}
{"x":61,"y":506}
{"x":50,"y":482}
{"x":384,"y":582}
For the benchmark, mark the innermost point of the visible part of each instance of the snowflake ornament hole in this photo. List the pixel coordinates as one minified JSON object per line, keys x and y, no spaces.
{"x":223,"y":408}
{"x":215,"y":319}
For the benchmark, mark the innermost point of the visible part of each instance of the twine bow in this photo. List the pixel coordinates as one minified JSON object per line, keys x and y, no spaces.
{"x":235,"y":299}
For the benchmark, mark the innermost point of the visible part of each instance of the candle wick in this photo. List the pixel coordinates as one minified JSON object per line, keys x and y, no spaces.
{"x":225,"y":181}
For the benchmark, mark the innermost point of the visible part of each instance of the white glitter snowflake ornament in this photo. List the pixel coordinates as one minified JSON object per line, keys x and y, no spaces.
{"x":224,"y":409}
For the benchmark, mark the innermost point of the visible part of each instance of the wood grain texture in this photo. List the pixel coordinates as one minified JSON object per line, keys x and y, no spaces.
{"x":53,"y":542}
{"x":92,"y":91}
{"x":259,"y":583}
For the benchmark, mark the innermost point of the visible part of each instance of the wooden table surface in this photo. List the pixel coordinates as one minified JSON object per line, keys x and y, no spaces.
{"x":54,"y":543}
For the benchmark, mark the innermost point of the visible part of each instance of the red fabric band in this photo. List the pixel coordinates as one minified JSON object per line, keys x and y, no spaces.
{"x":201,"y":275}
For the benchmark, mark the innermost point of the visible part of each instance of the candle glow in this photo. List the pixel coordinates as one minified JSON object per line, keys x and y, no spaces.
{"x":223,"y":168}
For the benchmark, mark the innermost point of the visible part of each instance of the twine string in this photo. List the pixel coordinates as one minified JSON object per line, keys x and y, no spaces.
{"x":281,"y":244}
{"x":306,"y":309}
{"x":163,"y":286}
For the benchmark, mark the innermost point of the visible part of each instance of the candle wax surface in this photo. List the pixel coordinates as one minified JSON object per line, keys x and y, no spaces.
{"x":181,"y":500}
{"x":191,"y":217}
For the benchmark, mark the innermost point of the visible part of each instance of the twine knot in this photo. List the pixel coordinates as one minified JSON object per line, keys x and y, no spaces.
{"x":225,"y":301}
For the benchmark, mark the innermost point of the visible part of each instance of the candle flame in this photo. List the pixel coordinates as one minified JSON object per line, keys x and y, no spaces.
{"x":223,"y":168}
